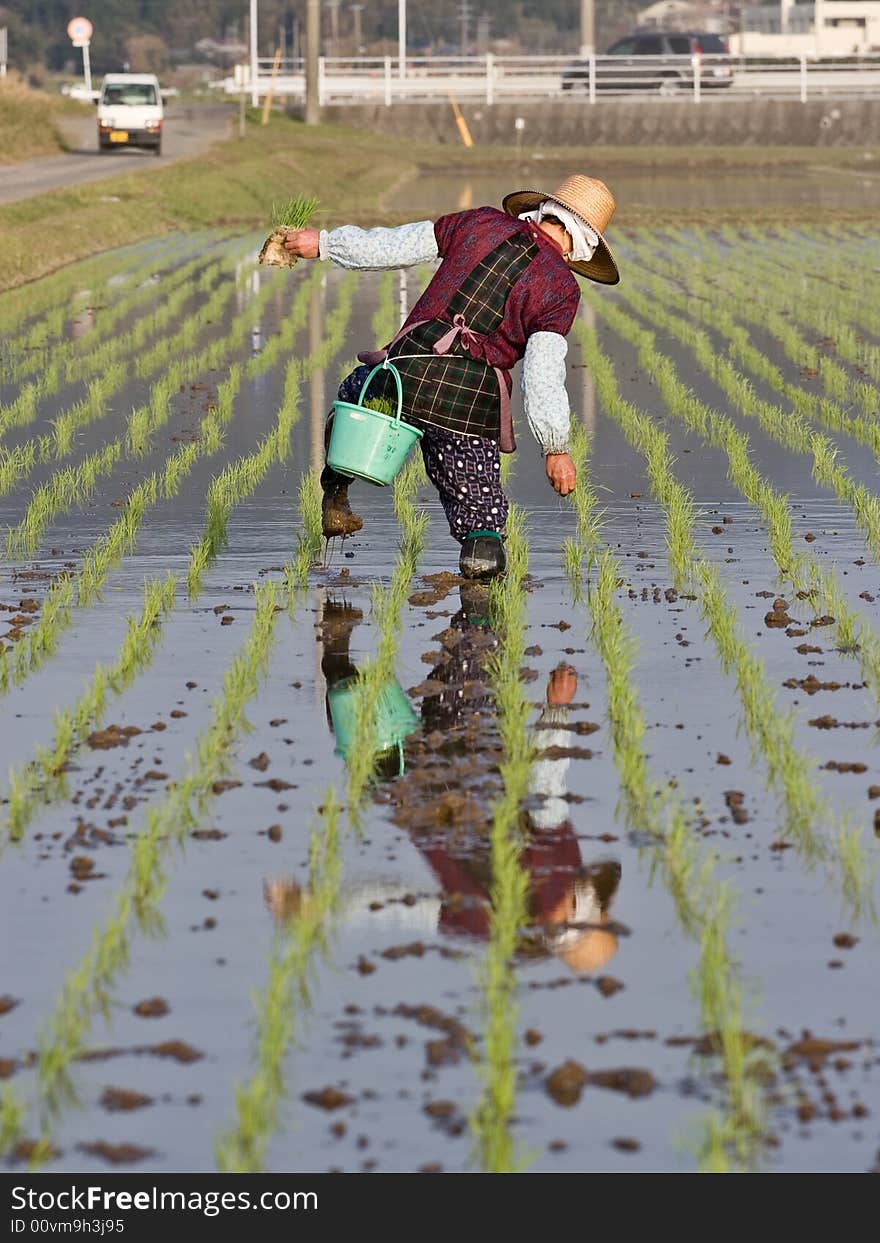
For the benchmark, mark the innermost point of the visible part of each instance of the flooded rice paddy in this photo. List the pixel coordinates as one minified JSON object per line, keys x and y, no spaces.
{"x":338,"y":863}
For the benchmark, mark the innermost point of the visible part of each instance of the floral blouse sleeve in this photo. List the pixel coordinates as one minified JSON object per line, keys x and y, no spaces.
{"x":377,"y":249}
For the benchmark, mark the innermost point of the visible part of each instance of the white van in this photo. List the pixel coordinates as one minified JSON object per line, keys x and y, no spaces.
{"x":130,"y":112}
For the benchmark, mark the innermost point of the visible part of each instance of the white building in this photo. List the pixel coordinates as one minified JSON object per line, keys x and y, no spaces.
{"x":820,"y":28}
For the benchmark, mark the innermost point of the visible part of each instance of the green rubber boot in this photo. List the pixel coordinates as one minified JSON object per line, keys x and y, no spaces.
{"x":482,"y":555}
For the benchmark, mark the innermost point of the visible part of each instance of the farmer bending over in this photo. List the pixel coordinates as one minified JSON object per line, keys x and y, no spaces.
{"x":505,"y":291}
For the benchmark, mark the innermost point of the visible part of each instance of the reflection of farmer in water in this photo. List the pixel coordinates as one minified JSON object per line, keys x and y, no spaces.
{"x":443,"y":808}
{"x":504,"y":292}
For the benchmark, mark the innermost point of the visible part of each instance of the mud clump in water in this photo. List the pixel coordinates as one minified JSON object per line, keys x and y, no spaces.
{"x":152,"y":1008}
{"x":120,"y":1100}
{"x":778,"y":618}
{"x":626,"y":1143}
{"x":7,"y":1003}
{"x":566,"y":1083}
{"x":608,"y":985}
{"x":116,"y":1154}
{"x":734,"y":800}
{"x":112,"y":736}
{"x":328,"y":1098}
{"x":178,"y":1050}
{"x":633,"y":1081}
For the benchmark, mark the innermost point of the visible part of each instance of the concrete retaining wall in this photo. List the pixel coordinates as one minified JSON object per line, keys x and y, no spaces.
{"x":629,"y":122}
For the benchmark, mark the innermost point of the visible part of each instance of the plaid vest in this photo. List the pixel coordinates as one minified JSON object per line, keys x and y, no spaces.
{"x":455,"y":391}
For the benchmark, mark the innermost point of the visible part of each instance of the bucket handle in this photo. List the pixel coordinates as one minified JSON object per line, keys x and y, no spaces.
{"x":385,"y":366}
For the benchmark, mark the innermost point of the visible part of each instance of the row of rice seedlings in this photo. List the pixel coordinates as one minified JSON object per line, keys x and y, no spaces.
{"x":16,"y":463}
{"x":193,"y":280}
{"x":21,"y":308}
{"x":65,"y":356}
{"x":114,"y":297}
{"x":387,"y":605}
{"x":241,"y":1147}
{"x":491,"y":1120}
{"x":42,"y":779}
{"x":771,"y":733}
{"x":86,"y":989}
{"x":819,"y":285}
{"x":73,"y":486}
{"x":756,"y":309}
{"x":823,"y":312}
{"x":854,"y":636}
{"x":787,"y":427}
{"x":310,"y":539}
{"x":82,"y":588}
{"x":702,"y":903}
{"x":242,"y":477}
{"x":170,"y":351}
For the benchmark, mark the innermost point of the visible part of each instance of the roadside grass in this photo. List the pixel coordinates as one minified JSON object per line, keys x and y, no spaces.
{"x":29,"y":120}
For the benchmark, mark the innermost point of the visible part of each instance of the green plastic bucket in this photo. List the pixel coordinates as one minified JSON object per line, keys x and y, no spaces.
{"x":395,"y":718}
{"x":366,"y":443}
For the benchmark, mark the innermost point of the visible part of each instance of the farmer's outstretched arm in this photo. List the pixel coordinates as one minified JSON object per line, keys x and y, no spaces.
{"x":367,"y":249}
{"x":545,"y":401}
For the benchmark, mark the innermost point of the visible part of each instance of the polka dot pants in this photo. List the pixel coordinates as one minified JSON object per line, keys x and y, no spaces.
{"x":466,"y":471}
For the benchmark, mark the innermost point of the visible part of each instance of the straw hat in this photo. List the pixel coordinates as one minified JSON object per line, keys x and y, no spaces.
{"x":587,"y":198}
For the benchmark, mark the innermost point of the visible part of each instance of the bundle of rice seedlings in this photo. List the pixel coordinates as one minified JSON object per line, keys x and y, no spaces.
{"x":286,"y":217}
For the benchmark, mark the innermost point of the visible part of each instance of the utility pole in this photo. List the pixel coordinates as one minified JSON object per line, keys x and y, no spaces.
{"x":255,"y":98}
{"x":333,"y":5}
{"x":313,"y":43}
{"x":401,"y":37}
{"x":464,"y":16}
{"x":356,"y":10}
{"x":588,"y":29}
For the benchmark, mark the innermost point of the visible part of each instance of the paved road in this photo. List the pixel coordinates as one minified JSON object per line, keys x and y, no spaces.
{"x":188,"y":130}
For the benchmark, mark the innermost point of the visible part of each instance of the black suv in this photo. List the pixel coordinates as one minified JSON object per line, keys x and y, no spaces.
{"x":656,"y":60}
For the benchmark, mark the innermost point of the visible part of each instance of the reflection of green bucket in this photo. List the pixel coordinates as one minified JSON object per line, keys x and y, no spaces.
{"x":367,"y":443}
{"x":395,"y":718}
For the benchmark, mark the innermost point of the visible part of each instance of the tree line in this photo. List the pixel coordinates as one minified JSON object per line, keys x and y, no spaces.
{"x":153,"y":35}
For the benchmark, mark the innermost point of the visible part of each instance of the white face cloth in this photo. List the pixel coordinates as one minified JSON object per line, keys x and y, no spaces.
{"x":584,"y":240}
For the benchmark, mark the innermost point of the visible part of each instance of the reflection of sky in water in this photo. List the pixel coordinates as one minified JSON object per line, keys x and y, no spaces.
{"x":434,"y":193}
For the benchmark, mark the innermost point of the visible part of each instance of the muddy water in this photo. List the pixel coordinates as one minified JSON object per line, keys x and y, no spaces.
{"x":392,"y":1014}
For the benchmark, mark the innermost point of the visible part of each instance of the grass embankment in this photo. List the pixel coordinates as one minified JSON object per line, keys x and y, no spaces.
{"x":354,"y":173}
{"x":29,"y":121}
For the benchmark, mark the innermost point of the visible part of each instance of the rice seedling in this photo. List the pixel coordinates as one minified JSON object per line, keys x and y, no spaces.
{"x":86,"y":987}
{"x":496,"y":1065}
{"x":293,"y":213}
{"x":241,"y":1147}
{"x":42,"y":779}
{"x":67,"y":360}
{"x":854,"y":636}
{"x":702,"y":904}
{"x":142,"y":422}
{"x":789,"y":771}
{"x":387,"y":605}
{"x":241,"y":478}
{"x":787,"y":427}
{"x":310,"y":540}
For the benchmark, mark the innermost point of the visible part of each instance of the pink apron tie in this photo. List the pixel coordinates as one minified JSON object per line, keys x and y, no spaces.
{"x":506,"y":441}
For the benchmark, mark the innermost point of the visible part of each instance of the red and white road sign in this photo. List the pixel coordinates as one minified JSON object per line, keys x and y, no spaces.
{"x":79,"y":30}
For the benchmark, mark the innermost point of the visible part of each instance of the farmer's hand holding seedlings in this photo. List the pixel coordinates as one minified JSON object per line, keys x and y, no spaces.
{"x":303,"y":243}
{"x":504,"y":293}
